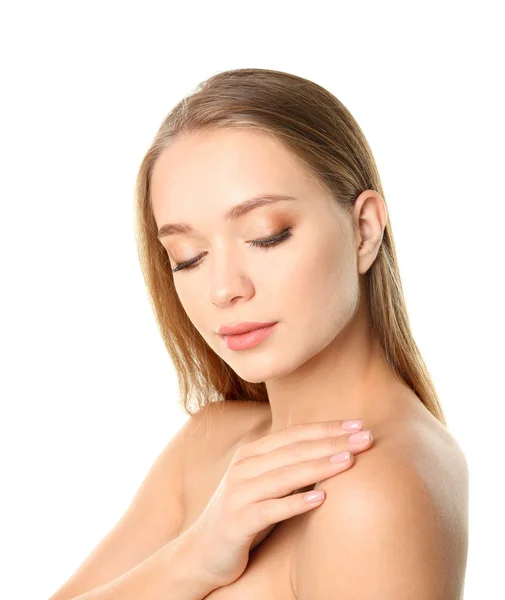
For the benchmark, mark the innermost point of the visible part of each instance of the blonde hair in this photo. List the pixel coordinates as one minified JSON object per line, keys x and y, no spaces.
{"x":324,"y":136}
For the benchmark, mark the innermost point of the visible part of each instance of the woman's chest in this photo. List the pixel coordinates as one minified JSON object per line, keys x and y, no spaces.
{"x":268,"y":572}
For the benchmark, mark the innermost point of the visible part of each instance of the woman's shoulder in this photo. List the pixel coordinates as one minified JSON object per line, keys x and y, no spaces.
{"x":222,"y":425}
{"x":431,"y":449}
{"x":412,"y":482}
{"x":244,"y":415}
{"x":419,"y":444}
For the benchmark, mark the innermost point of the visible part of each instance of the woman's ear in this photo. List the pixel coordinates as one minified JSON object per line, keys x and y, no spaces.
{"x":369,"y":220}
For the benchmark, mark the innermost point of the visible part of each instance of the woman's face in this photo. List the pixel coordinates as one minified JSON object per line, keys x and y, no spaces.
{"x":308,"y":282}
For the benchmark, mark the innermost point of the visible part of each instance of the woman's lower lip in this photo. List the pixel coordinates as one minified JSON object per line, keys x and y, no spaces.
{"x":249,"y":339}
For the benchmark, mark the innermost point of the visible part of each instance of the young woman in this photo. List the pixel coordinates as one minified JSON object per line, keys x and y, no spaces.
{"x":268,"y":254}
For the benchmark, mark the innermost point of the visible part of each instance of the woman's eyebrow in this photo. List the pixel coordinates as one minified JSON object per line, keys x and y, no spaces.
{"x":231,"y":214}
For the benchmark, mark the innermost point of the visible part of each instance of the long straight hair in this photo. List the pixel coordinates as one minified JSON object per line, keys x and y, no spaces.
{"x":319,"y":130}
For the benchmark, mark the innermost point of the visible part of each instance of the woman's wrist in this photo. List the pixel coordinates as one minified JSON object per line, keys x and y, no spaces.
{"x":191,"y":581}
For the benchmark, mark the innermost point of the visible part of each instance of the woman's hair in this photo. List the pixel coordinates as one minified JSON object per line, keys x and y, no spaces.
{"x":323,"y":135}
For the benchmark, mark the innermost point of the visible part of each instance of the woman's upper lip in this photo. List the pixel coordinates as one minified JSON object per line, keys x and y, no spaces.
{"x":242,"y":327}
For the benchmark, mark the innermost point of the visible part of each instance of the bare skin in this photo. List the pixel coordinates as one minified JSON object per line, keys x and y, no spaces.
{"x":322,"y":361}
{"x":413,"y":438}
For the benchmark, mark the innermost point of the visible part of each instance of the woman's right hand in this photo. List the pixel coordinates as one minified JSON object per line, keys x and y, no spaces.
{"x":255,"y":491}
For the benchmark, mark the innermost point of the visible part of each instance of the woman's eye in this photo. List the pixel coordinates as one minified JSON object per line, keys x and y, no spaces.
{"x":265,"y":244}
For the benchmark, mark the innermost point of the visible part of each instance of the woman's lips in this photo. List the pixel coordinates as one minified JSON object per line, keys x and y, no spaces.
{"x":242,"y":341}
{"x":243,"y":327}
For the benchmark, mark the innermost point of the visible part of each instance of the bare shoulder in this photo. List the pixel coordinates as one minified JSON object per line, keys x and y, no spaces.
{"x":411,"y":485}
{"x":219,"y":427}
{"x":432,"y":454}
{"x":413,"y":449}
{"x":235,"y":418}
{"x":416,"y":451}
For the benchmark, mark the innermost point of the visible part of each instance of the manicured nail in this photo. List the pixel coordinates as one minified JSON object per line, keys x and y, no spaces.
{"x":360,"y":437}
{"x":340,"y":457}
{"x":352,"y":425}
{"x":314,"y":496}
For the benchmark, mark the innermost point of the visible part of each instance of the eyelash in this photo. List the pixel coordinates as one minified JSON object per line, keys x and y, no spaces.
{"x":265,"y":244}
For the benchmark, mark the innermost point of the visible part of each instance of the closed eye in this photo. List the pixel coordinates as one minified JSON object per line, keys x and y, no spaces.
{"x":265,"y":244}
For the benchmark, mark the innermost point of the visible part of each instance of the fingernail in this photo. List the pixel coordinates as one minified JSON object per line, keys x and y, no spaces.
{"x":352,"y":425}
{"x":360,"y":437}
{"x":314,"y":496}
{"x":340,"y":457}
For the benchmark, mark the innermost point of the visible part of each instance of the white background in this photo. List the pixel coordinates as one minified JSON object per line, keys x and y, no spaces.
{"x":88,"y":393}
